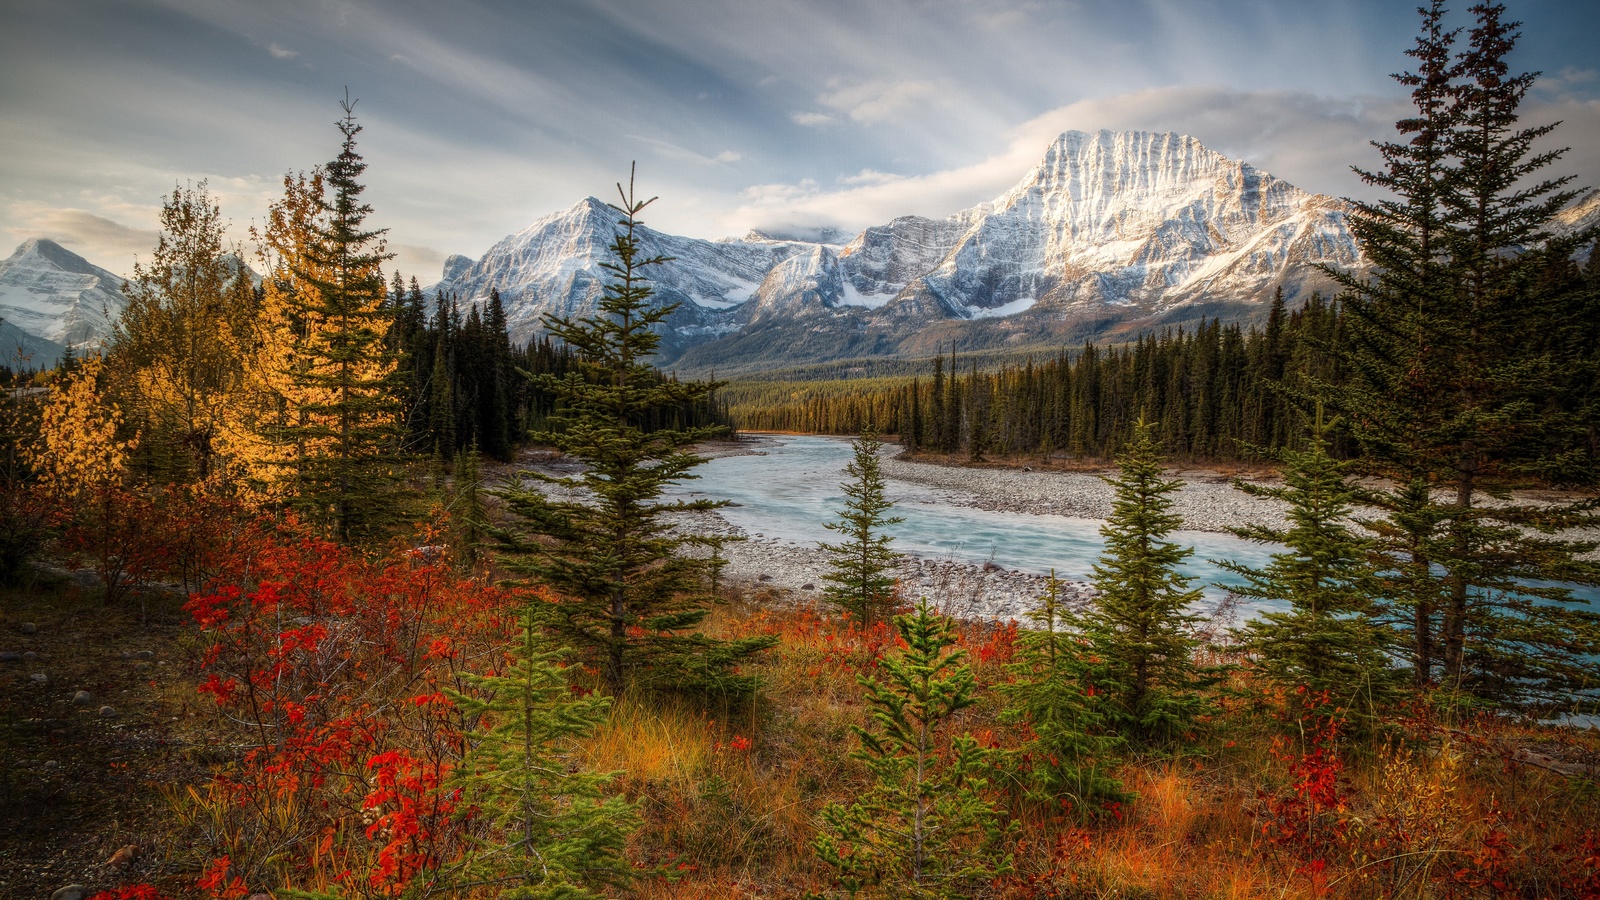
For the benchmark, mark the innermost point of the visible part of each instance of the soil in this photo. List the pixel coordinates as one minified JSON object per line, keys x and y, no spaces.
{"x":79,"y":783}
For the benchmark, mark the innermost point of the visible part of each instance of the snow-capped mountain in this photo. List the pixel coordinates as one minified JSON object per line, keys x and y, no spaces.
{"x":1153,"y":220}
{"x":1113,"y":228}
{"x":1581,"y":216}
{"x":554,"y":267}
{"x":52,"y":293}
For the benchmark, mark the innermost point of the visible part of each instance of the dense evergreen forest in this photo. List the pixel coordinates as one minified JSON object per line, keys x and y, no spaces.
{"x":1219,"y":392}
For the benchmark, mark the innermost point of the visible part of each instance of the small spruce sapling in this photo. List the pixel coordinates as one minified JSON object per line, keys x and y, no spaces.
{"x":925,"y":828}
{"x":1328,"y":641}
{"x":546,"y":830}
{"x":861,"y":581}
{"x":1139,"y":624}
{"x":1060,"y":692}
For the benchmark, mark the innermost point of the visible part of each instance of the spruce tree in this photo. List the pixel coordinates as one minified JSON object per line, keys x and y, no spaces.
{"x":1448,"y":392}
{"x":1060,"y":692}
{"x":861,"y":580}
{"x":925,"y":827}
{"x":545,"y":829}
{"x":1139,"y":624}
{"x":628,"y":598}
{"x":347,"y":422}
{"x":1329,"y":640}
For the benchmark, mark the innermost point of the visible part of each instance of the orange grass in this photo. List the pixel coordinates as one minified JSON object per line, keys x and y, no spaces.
{"x":1196,"y":828}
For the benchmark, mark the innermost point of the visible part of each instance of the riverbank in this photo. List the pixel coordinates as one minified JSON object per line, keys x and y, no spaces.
{"x":1208,"y":501}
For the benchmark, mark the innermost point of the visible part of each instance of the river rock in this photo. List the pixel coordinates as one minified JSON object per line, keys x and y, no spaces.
{"x":81,"y":698}
{"x":27,"y":628}
{"x":107,"y":712}
{"x":70,"y":892}
{"x":39,"y":678}
{"x":10,"y":656}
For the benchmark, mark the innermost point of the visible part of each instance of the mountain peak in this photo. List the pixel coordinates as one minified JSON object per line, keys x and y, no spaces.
{"x":53,"y":293}
{"x":57,"y":256}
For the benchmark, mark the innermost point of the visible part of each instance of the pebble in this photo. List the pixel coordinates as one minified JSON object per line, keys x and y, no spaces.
{"x":81,"y":698}
{"x":10,"y":656}
{"x":28,"y":628}
{"x":30,"y":656}
{"x":51,"y":764}
{"x":39,"y":677}
{"x":70,"y":892}
{"x":107,"y":712}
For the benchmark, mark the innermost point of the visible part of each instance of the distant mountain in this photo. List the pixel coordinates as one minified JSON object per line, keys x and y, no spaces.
{"x":1582,"y":215}
{"x":49,"y":292}
{"x":1109,"y":232}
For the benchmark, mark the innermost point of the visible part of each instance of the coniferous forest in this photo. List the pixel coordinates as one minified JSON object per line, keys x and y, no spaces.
{"x":324,"y":588}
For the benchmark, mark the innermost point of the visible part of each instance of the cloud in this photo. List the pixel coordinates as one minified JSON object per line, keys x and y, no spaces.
{"x":811,"y":119}
{"x":95,"y":238}
{"x":281,"y":52}
{"x":415,"y":258}
{"x":872,"y":102}
{"x":1306,"y":139}
{"x":729,"y":156}
{"x":870,"y":176}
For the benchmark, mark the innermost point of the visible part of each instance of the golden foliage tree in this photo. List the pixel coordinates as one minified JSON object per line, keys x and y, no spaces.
{"x":78,"y":449}
{"x":178,"y":346}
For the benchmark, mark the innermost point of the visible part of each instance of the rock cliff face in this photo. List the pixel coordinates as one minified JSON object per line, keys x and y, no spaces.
{"x":1110,"y":230}
{"x":52,"y":293}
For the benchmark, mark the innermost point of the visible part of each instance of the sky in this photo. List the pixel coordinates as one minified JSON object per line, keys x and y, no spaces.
{"x":788,"y":116}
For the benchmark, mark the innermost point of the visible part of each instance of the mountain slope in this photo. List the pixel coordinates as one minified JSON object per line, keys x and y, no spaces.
{"x":50,"y":292}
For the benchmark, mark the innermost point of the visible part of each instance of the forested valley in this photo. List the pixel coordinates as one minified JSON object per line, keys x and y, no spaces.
{"x":322,"y":588}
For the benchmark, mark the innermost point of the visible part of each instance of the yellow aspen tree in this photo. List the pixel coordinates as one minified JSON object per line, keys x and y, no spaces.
{"x":270,"y":398}
{"x":177,"y":348}
{"x":78,"y":449}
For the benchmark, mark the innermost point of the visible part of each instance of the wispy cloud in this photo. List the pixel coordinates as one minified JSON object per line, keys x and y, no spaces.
{"x":871,"y":102}
{"x":93,"y":237}
{"x":280,"y":52}
{"x":811,"y":119}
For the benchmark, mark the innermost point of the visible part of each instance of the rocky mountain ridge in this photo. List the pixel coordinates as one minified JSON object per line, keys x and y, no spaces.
{"x":1109,"y":232}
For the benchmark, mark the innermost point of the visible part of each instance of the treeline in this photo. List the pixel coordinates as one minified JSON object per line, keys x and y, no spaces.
{"x":463,"y":388}
{"x":1209,"y":392}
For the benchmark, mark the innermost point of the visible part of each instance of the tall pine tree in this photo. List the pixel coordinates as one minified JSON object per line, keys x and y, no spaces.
{"x":348,"y":419}
{"x":629,"y":599}
{"x":1448,"y":392}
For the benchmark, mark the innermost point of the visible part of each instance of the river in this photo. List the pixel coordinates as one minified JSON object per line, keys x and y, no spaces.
{"x":792,"y":487}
